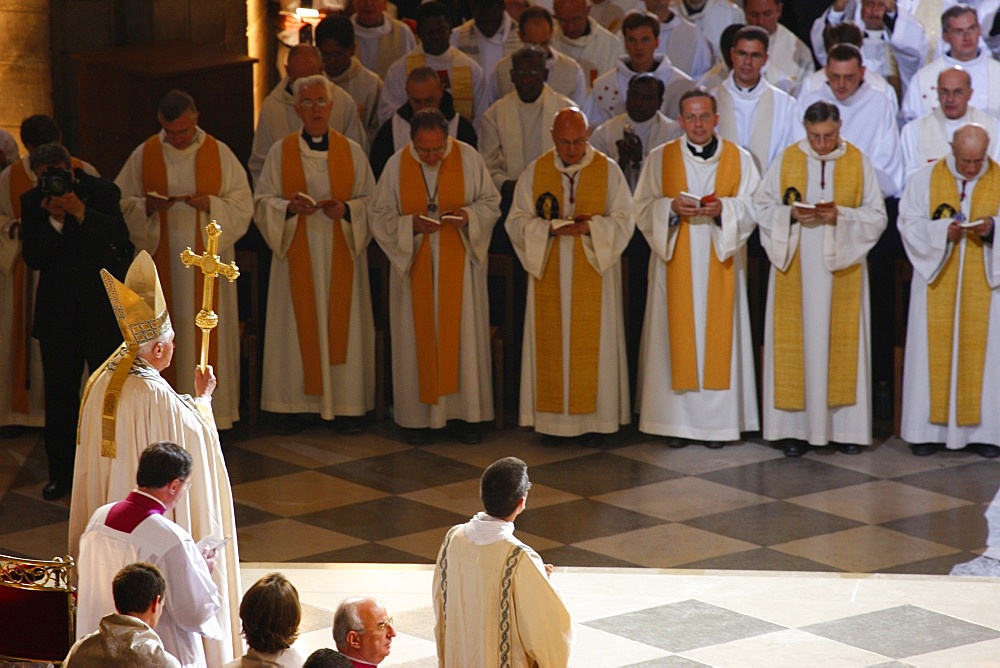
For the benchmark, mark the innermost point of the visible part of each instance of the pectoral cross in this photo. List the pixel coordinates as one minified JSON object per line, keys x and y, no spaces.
{"x":211,"y":266}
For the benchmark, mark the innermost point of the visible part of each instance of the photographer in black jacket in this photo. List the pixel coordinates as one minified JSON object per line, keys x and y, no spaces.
{"x":72,"y":227}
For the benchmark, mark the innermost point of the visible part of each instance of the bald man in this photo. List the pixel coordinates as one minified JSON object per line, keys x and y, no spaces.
{"x":570,"y":221}
{"x":947,"y":220}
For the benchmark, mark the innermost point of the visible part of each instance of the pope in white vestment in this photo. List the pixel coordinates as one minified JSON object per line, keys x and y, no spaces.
{"x":440,"y":363}
{"x":198,"y":164}
{"x":583,"y":333}
{"x":696,"y":365}
{"x":147,"y":409}
{"x":818,"y":388}
{"x":951,"y":377}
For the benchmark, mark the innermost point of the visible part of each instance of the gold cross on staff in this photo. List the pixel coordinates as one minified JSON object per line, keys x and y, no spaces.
{"x":211,"y":266}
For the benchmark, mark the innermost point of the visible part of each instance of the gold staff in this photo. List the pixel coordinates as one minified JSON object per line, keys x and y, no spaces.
{"x":211,"y":266}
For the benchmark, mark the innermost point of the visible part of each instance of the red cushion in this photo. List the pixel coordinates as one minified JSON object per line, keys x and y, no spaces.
{"x":35,"y":623}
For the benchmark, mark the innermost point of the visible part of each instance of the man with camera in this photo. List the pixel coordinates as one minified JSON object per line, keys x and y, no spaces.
{"x":72,"y":227}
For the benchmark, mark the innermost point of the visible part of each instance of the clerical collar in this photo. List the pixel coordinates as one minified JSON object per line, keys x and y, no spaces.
{"x":747,"y":90}
{"x":317,"y":143}
{"x":657,"y":61}
{"x":704,"y":152}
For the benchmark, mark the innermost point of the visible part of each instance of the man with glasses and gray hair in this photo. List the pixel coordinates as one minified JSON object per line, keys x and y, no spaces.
{"x":363,"y":631}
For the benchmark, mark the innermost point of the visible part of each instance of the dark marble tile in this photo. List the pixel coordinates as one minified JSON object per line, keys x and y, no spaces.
{"x":368,"y":553}
{"x":977,"y":481}
{"x":963,"y":527}
{"x":383,"y":518}
{"x":787,"y":477}
{"x":599,"y":473}
{"x":404,"y":471}
{"x":763,"y":559}
{"x":246,"y":466}
{"x":248,"y":516}
{"x":576,"y":521}
{"x":19,"y":512}
{"x":772,"y":523}
{"x":567,"y":555}
{"x":936,"y":566}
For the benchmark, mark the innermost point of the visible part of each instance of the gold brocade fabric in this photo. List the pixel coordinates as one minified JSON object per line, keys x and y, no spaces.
{"x":584,"y":329}
{"x":845,"y":307}
{"x":340,"y":170}
{"x":968,"y":286}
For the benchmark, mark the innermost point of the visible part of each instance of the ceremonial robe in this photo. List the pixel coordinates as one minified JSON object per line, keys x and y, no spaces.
{"x":607,"y":99}
{"x":120,"y":637}
{"x":789,"y":60}
{"x":461,"y":75}
{"x":596,"y":51}
{"x":380,"y":46}
{"x":927,"y":139}
{"x":763,"y":120}
{"x":700,"y":412}
{"x":565,"y":77}
{"x":654,"y":132}
{"x":712,"y":19}
{"x":682,"y":42}
{"x":487,"y":51}
{"x":922,"y":96}
{"x":365,"y":88}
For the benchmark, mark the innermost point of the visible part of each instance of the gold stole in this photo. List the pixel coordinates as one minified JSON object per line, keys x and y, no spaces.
{"x":585,"y":311}
{"x":460,"y":83}
{"x":974,"y":310}
{"x":208,"y":180}
{"x":721,"y":283}
{"x":20,"y":183}
{"x":437,"y":343}
{"x":845,"y":306}
{"x":340,"y":170}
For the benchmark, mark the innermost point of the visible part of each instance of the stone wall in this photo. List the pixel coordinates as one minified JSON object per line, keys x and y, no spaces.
{"x":25,"y":62}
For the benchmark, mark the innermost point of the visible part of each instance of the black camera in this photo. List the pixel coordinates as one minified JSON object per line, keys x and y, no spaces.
{"x":56,"y":182}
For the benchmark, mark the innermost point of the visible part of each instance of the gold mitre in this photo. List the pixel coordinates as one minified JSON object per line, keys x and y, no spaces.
{"x":139,"y":305}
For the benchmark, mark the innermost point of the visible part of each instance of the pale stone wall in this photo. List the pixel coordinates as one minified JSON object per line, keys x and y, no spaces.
{"x":25,"y":62}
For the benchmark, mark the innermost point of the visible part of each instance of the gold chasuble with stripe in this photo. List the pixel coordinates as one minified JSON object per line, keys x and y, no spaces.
{"x":340,"y":170}
{"x":437,"y":332}
{"x":966,"y":285}
{"x":721,"y":283}
{"x":584,"y":329}
{"x":208,"y":181}
{"x":845,"y":307}
{"x":458,"y":82}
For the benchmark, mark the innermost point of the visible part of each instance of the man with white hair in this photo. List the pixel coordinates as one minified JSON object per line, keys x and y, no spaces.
{"x":362,"y":631}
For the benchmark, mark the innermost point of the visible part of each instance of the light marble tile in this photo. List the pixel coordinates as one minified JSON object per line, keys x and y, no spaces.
{"x":697,"y":459}
{"x":864,"y":549}
{"x":878,"y":501}
{"x":423,"y":543}
{"x":44,"y":542}
{"x":682,"y":498}
{"x":314,"y":491}
{"x":977,"y":655}
{"x":784,"y":648}
{"x":590,"y":643}
{"x":892,"y":458}
{"x":282,"y":540}
{"x":669,"y":544}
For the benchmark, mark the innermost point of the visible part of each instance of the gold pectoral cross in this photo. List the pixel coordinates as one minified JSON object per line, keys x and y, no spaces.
{"x":211,"y":266}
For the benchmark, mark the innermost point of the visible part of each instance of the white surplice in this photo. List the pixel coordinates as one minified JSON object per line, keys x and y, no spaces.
{"x":607,"y":98}
{"x":707,"y":415}
{"x":922,"y":96}
{"x":565,"y":77}
{"x":365,"y":88}
{"x":927,"y":139}
{"x":597,"y":51}
{"x":609,"y":235}
{"x":380,"y":46}
{"x":394,"y":88}
{"x":752,"y":130}
{"x":348,"y":388}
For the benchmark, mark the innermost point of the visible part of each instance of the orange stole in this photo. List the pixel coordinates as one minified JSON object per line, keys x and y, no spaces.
{"x":340,"y":170}
{"x":585,"y":310}
{"x":721,"y":283}
{"x":208,"y":180}
{"x":974,"y":308}
{"x":437,"y":343}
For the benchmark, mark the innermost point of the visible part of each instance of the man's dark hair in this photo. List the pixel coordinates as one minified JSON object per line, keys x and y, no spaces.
{"x":534,"y":13}
{"x":328,"y":658}
{"x":39,"y":129}
{"x":430,"y":10}
{"x":428,"y":119}
{"x":529,"y":52}
{"x":136,"y":586}
{"x":270,"y":613}
{"x":636,"y":19}
{"x":337,"y":27}
{"x":842,"y":33}
{"x":697,"y":91}
{"x":175,"y":103}
{"x":954,"y":12}
{"x":727,"y":40}
{"x":161,"y":463}
{"x":751,"y":33}
{"x":819,"y":112}
{"x":503,"y":484}
{"x":845,"y":52}
{"x":647,"y":78}
{"x":48,"y":155}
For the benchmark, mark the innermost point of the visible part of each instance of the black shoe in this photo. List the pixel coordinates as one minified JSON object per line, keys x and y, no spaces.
{"x":551,"y":441}
{"x":287,"y":424}
{"x":795,"y":448}
{"x":849,"y":448}
{"x":986,"y":450}
{"x":675,"y":442}
{"x":418,"y":436}
{"x":714,"y":445}
{"x":347,"y":424}
{"x":468,"y":433}
{"x":923,"y":449}
{"x":593,"y":440}
{"x":55,"y":490}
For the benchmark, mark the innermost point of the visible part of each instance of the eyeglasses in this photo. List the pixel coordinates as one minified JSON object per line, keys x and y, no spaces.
{"x":438,"y":150}
{"x":381,"y":626}
{"x":319,"y":102}
{"x":576,"y":143}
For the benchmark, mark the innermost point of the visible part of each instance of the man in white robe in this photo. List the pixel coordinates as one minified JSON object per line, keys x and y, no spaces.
{"x":789,"y":59}
{"x":488,"y":36}
{"x":494,"y":602}
{"x":754,"y":114}
{"x":196,"y":179}
{"x":696,"y":380}
{"x":462,"y":76}
{"x":336,"y":42}
{"x":565,"y":76}
{"x":817,"y":388}
{"x":607,"y":14}
{"x":607,"y":98}
{"x":952,"y":370}
{"x":711,"y":17}
{"x":583,"y":39}
{"x":433,"y":214}
{"x":319,"y":352}
{"x":277,"y":113}
{"x":127,"y":405}
{"x":962,"y":48}
{"x":136,"y":530}
{"x":681,"y":40}
{"x":382,"y":40}
{"x":927,"y":139}
{"x":572,"y":211}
